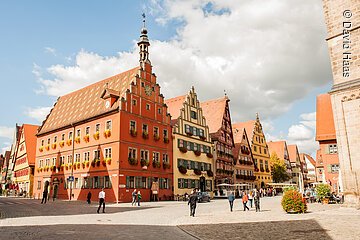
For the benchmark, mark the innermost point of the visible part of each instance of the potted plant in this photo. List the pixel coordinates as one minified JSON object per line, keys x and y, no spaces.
{"x":293,"y":202}
{"x":166,"y":165}
{"x":69,"y":142}
{"x":78,"y":165}
{"x":144,"y":163}
{"x":132,"y":161}
{"x":145,"y":135}
{"x":47,"y":147}
{"x":107,"y":133}
{"x":182,"y":169}
{"x":209,"y":155}
{"x":61,"y":143}
{"x":108,"y":161}
{"x":183,"y":149}
{"x":87,"y":138}
{"x":323,"y":192}
{"x":53,"y":146}
{"x":166,"y":140}
{"x":156,"y":137}
{"x":197,"y":152}
{"x":97,"y":162}
{"x":197,"y":171}
{"x":156,"y":164}
{"x":133,"y":132}
{"x":41,"y":148}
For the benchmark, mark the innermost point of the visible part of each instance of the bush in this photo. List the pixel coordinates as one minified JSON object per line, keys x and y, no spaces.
{"x":322,"y":191}
{"x":293,"y":201}
{"x":285,"y":189}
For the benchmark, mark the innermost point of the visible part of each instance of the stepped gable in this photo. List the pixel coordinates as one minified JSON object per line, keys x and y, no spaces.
{"x":213,"y":111}
{"x":325,"y":128}
{"x":249,"y":128}
{"x":87,"y":102}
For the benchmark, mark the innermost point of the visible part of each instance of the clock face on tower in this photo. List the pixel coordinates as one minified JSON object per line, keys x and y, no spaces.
{"x":148,"y":90}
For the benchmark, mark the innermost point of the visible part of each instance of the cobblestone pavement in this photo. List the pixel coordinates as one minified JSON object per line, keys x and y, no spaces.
{"x":96,"y":232}
{"x":21,"y":207}
{"x":212,"y":220}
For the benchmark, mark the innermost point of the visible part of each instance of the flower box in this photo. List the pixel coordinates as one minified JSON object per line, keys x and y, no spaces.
{"x":189,"y":133}
{"x":166,"y":140}
{"x":41,"y":149}
{"x":156,"y":164}
{"x":210,"y":173}
{"x":144,"y":163}
{"x":107,"y":133}
{"x":166,"y":165}
{"x":145,"y":135}
{"x":87,"y":163}
{"x":47,"y":147}
{"x":156,"y":137}
{"x":197,"y":171}
{"x":53,"y":146}
{"x":69,"y":142}
{"x":133,"y":161}
{"x":87,"y":138}
{"x":77,"y":139}
{"x":97,"y":163}
{"x":262,"y":169}
{"x":182,"y":169}
{"x":202,"y":138}
{"x":209,"y":155}
{"x":133,"y":132}
{"x":108,"y":161}
{"x":104,"y":162}
{"x":267,"y":170}
{"x":62,"y":143}
{"x":197,"y":153}
{"x":93,"y":163}
{"x":53,"y":168}
{"x":183,"y":149}
{"x":78,"y":165}
{"x":96,"y":136}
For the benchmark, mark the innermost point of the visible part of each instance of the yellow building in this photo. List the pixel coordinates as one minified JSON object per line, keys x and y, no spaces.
{"x":25,"y":159}
{"x":259,"y":151}
{"x":192,"y":147}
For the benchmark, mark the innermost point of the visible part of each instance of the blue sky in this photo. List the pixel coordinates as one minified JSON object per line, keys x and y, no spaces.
{"x":42,"y":40}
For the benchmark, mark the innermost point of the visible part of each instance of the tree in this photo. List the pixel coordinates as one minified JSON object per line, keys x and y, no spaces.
{"x":278,"y":169}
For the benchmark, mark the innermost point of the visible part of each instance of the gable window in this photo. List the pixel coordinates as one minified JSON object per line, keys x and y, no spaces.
{"x":332,"y":148}
{"x":87,"y":130}
{"x":97,"y":127}
{"x":97,"y":155}
{"x":132,"y":153}
{"x":193,"y":115}
{"x":107,"y":152}
{"x":108,"y":125}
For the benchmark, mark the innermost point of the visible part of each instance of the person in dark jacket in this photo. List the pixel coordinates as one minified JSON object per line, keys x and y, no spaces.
{"x":45,"y":195}
{"x":88,"y":197}
{"x":231,"y":198}
{"x":192,"y":202}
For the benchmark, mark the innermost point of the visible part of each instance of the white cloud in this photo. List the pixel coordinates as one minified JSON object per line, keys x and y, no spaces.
{"x":6,"y":148}
{"x":300,"y":132}
{"x":7,"y":132}
{"x":265,"y":55}
{"x":50,"y":50}
{"x":38,"y":113}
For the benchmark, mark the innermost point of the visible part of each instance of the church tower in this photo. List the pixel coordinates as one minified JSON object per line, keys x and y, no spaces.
{"x":342,"y":18}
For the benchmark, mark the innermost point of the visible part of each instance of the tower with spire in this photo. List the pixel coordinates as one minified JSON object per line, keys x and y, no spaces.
{"x":144,"y":44}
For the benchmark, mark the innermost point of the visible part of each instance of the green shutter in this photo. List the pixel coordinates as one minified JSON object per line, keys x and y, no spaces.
{"x":179,"y":183}
{"x":192,"y":165}
{"x":127,"y":182}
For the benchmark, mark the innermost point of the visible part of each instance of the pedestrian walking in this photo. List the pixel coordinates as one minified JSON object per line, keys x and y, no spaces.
{"x":138,"y":198}
{"x":134,"y":194}
{"x":192,"y":202}
{"x":45,"y":195}
{"x":231,"y":198}
{"x":88,"y":197}
{"x":251,"y":197}
{"x":245,"y":200}
{"x":257,"y":200}
{"x":101,"y":200}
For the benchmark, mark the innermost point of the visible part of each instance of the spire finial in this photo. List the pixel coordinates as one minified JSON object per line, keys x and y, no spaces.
{"x":143,"y":15}
{"x":225,"y":93}
{"x":257,"y":116}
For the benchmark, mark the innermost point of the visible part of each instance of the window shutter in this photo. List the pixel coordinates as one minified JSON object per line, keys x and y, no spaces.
{"x":179,"y":183}
{"x":327,"y":149}
{"x":329,"y":168}
{"x":127,"y":182}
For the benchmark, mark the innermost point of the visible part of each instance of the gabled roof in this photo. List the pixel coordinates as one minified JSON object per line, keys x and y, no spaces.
{"x":238,"y":134}
{"x":308,"y":157}
{"x":249,"y":128}
{"x":293,"y":151}
{"x":30,"y":141}
{"x":213,"y":111}
{"x":87,"y":102}
{"x":325,"y":128}
{"x":175,"y":105}
{"x":278,"y":147}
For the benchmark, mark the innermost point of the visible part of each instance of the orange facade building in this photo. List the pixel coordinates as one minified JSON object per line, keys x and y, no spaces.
{"x":327,"y":161}
{"x":113,"y":134}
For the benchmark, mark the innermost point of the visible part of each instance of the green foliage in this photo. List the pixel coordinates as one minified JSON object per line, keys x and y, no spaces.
{"x":293,"y":201}
{"x":322,"y":191}
{"x":278,"y":171}
{"x":285,"y":189}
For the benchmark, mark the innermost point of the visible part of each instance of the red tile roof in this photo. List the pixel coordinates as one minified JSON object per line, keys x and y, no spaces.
{"x":213,"y":111}
{"x":293,"y":151}
{"x":87,"y":102}
{"x":278,"y":147}
{"x":30,"y":141}
{"x":325,"y":129}
{"x":249,"y":128}
{"x":313,"y":162}
{"x":175,"y":105}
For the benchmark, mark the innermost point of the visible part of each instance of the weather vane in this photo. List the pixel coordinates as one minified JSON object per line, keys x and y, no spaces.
{"x":143,"y":15}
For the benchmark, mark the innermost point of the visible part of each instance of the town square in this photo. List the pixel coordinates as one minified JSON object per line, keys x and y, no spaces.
{"x":180,"y":120}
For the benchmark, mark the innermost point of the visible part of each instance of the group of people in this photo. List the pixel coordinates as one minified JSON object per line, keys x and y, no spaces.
{"x":136,"y":197}
{"x":253,"y":195}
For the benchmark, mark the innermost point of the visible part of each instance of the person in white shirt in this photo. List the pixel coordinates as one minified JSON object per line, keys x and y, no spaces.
{"x":101,"y":200}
